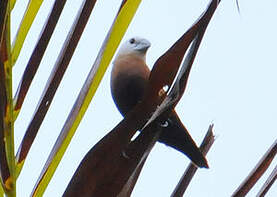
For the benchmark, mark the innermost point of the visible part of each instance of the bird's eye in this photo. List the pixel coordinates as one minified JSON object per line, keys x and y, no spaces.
{"x":132,"y":41}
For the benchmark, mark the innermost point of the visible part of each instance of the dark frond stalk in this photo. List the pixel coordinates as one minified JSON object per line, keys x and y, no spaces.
{"x":139,"y":150}
{"x":3,"y":16}
{"x":119,"y":170}
{"x":4,"y":169}
{"x":6,"y":76}
{"x":130,"y":168}
{"x":130,"y":184}
{"x":191,"y":169}
{"x":257,"y":172}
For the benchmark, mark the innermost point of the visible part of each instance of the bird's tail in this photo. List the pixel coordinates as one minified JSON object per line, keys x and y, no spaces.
{"x":175,"y":135}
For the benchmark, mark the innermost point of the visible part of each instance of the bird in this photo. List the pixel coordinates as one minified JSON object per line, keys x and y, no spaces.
{"x":129,"y":79}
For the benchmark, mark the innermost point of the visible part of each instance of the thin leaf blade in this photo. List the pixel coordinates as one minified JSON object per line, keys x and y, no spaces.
{"x":191,"y":169}
{"x":269,"y":182}
{"x":37,"y":54}
{"x":26,"y":23}
{"x":257,"y":172}
{"x":27,"y":78}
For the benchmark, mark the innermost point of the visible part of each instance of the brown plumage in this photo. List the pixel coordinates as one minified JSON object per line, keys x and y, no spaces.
{"x":128,"y":83}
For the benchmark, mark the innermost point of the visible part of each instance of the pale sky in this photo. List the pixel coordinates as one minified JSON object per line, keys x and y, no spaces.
{"x":232,"y":84}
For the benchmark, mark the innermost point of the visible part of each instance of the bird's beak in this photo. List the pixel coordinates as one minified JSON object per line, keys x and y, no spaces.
{"x":143,"y":46}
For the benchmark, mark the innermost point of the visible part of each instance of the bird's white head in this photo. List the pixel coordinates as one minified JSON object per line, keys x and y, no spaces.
{"x":135,"y":45}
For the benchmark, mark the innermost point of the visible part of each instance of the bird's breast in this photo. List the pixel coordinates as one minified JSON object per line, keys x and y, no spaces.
{"x":128,"y":82}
